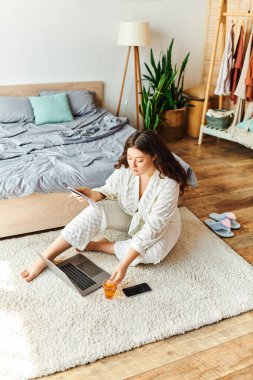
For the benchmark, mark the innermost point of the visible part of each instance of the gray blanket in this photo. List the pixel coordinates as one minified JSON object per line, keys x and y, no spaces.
{"x":81,"y":153}
{"x":22,"y":138}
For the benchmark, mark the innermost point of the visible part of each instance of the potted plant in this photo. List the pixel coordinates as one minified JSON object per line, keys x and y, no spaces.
{"x":172,"y":100}
{"x":153,"y":103}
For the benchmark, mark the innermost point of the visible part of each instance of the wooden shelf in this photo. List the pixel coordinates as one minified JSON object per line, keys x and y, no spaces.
{"x":215,"y":131}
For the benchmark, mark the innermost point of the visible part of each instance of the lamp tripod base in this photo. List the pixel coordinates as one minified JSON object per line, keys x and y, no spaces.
{"x":137,"y":80}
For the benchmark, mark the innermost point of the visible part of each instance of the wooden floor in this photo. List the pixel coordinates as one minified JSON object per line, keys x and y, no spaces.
{"x":223,"y":350}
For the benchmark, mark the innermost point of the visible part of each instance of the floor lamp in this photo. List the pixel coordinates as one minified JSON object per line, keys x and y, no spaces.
{"x":133,"y":34}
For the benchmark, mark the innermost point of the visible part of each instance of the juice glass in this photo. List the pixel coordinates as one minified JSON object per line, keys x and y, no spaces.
{"x":109,"y":289}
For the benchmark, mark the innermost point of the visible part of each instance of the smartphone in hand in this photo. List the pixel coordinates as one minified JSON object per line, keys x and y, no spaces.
{"x":136,"y":289}
{"x":90,"y":201}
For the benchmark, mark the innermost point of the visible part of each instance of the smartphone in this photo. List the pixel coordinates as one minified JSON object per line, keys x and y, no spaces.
{"x":136,"y":289}
{"x":90,"y":201}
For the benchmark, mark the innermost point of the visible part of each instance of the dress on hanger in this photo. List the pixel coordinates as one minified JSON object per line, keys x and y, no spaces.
{"x":241,"y":86}
{"x":238,"y":63}
{"x":239,"y":130}
{"x":240,"y":91}
{"x":249,"y":89}
{"x":249,"y":80}
{"x":223,"y":82}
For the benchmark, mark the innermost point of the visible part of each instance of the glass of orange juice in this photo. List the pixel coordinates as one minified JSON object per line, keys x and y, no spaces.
{"x":109,"y":289}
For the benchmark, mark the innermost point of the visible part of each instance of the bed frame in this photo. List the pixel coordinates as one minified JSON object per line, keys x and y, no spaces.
{"x":37,"y":212}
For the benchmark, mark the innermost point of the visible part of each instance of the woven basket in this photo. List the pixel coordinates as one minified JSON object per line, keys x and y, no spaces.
{"x":173,"y":129}
{"x":219,"y":122}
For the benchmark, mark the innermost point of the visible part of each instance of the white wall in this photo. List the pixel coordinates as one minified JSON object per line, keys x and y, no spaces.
{"x":75,"y":40}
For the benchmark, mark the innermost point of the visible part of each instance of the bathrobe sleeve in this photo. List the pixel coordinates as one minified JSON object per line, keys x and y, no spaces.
{"x":112,"y":185}
{"x":158,"y":218}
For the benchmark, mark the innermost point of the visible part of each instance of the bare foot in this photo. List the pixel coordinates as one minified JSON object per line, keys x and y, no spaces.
{"x":93,"y":244}
{"x":29,"y":274}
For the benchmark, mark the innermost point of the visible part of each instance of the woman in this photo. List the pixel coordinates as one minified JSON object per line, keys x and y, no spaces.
{"x":140,"y":198}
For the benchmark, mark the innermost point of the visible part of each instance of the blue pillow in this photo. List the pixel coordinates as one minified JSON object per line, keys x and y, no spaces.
{"x":51,"y":109}
{"x":81,"y":102}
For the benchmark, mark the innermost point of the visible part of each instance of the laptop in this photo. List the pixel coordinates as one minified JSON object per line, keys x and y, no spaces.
{"x":78,"y":272}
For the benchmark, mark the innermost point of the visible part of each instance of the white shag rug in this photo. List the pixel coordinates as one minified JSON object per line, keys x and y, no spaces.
{"x":47,"y":327}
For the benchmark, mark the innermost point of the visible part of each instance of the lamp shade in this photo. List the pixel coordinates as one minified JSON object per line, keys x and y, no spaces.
{"x":134,"y":33}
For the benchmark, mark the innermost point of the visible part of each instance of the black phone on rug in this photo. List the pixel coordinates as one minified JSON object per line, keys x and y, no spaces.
{"x":136,"y":289}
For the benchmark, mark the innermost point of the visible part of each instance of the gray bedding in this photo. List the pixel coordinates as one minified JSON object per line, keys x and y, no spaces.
{"x":81,"y":153}
{"x":39,"y":158}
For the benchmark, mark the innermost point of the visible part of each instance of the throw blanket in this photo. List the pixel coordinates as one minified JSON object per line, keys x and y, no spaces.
{"x":243,"y":133}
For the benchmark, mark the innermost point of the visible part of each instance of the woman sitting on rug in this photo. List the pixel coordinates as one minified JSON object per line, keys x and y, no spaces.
{"x":139,"y":198}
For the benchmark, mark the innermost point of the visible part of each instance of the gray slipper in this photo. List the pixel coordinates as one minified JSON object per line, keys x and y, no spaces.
{"x":220,"y":228}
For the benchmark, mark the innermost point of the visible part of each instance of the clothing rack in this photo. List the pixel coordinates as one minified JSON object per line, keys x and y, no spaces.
{"x":223,"y":14}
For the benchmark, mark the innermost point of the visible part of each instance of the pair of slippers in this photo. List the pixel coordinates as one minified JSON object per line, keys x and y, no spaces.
{"x":222,"y":224}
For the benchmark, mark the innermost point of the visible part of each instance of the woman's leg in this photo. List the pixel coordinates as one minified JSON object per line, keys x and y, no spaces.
{"x":157,"y":252}
{"x":79,"y":232}
{"x":102,"y":245}
{"x":115,"y":219}
{"x":56,"y":248}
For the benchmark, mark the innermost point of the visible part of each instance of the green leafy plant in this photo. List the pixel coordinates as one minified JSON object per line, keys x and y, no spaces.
{"x":154,"y":101}
{"x":174,"y":95}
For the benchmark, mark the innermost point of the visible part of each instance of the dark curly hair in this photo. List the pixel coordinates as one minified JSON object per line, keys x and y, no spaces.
{"x":149,"y":142}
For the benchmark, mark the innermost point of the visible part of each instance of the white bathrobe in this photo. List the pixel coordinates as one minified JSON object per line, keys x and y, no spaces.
{"x":153,"y":222}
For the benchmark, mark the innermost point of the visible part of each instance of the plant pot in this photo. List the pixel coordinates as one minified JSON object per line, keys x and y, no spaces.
{"x":173,"y":130}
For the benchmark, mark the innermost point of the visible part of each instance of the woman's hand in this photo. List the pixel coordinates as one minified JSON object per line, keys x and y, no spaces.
{"x":93,"y":195}
{"x":85,"y":191}
{"x":119,"y":274}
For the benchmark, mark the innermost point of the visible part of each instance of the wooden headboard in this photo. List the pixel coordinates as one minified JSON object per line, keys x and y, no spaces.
{"x":33,"y":89}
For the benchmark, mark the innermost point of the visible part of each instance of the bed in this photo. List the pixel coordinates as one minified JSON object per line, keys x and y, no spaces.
{"x":35,"y":159}
{"x":36,"y":208}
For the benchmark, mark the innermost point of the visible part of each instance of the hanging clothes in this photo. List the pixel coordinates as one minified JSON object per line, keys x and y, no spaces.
{"x":249,"y":80}
{"x":238,"y":63}
{"x":240,"y":91}
{"x":239,"y":113}
{"x":241,"y":86}
{"x":223,"y":82}
{"x":249,"y":111}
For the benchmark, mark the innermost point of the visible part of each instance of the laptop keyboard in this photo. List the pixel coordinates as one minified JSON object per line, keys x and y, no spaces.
{"x":77,"y":277}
